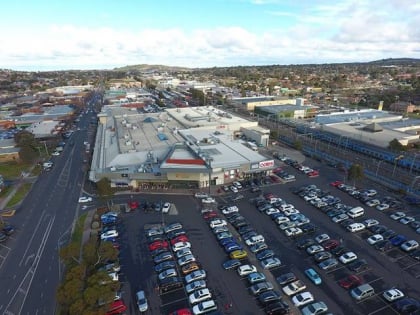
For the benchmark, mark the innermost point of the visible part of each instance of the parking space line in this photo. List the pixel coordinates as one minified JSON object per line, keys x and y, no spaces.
{"x":172,"y":302}
{"x":8,"y":248}
{"x":412,"y":265}
{"x":377,"y":279}
{"x":383,"y":308}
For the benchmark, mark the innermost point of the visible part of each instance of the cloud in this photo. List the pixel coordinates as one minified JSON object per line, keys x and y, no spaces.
{"x":321,"y":33}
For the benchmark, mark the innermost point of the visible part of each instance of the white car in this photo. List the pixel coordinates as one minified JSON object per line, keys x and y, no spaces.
{"x":270,"y":263}
{"x":356,"y":227}
{"x":208,"y":200}
{"x":289,"y":212}
{"x":217,"y":223}
{"x":109,"y":234}
{"x":348,"y":257}
{"x":271,"y":211}
{"x":409,"y":246}
{"x":372,"y":240}
{"x":183,"y":252}
{"x":322,"y":238}
{"x":204,"y":307}
{"x":166,"y":207}
{"x":397,"y":215}
{"x":406,"y":220}
{"x":294,"y":231}
{"x":186,"y":260}
{"x":199,"y":296}
{"x":373,"y":202}
{"x":233,"y":189}
{"x":55,"y":153}
{"x":230,"y":209}
{"x":195,"y":275}
{"x":200,"y":195}
{"x":167,"y":274}
{"x":382,"y":206}
{"x":286,"y":225}
{"x":370,"y":222}
{"x":181,"y":245}
{"x":302,"y":298}
{"x":280,"y":220}
{"x":311,"y":250}
{"x":195,"y":285}
{"x":245,"y":270}
{"x":85,"y":199}
{"x":255,"y":240}
{"x":237,"y":184}
{"x":392,"y":295}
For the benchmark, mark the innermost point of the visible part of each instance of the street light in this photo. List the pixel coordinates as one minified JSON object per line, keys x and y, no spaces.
{"x":395,"y":163}
{"x":377,"y":168}
{"x":412,"y":163}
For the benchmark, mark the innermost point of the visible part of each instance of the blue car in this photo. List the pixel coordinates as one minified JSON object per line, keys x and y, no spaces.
{"x":266,"y":253}
{"x":231,"y":263}
{"x":230,"y":247}
{"x":398,"y":240}
{"x":313,"y":276}
{"x":225,"y":241}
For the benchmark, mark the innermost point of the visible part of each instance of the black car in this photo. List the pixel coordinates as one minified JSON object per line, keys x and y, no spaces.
{"x":163,"y":257}
{"x":378,"y":229}
{"x":304,"y":243}
{"x":279,"y":307}
{"x":383,"y":245}
{"x":389,"y":234}
{"x":358,"y":265}
{"x":407,"y":306}
{"x":245,"y":229}
{"x":8,"y":229}
{"x":308,"y":228}
{"x":415,"y":254}
{"x":286,"y":278}
{"x":266,"y":253}
{"x":170,"y":284}
{"x":269,"y":297}
{"x":339,"y":250}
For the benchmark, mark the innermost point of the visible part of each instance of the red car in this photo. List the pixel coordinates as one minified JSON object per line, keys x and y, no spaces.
{"x":313,"y":174}
{"x":277,"y":169}
{"x":209,"y":215}
{"x":158,"y":245}
{"x":330,"y":244}
{"x":179,"y":238}
{"x":336,"y":183}
{"x":350,"y":282}
{"x":117,"y":307}
{"x":275,"y":179}
{"x":183,"y":311}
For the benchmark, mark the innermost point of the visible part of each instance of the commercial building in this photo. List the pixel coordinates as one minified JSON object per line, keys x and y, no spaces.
{"x":189,"y":147}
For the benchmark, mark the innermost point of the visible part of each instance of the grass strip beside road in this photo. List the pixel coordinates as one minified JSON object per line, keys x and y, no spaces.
{"x":11,"y":170}
{"x":78,"y":229}
{"x":19,"y":195}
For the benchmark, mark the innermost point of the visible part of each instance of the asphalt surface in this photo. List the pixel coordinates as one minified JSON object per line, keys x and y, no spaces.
{"x":30,"y":271}
{"x":386,"y":270}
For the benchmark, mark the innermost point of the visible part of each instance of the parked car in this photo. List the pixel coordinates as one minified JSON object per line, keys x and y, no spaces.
{"x":350,"y":282}
{"x":270,"y":263}
{"x":393,"y":294}
{"x":313,"y":276}
{"x":255,"y":277}
{"x":302,"y":299}
{"x":315,"y":308}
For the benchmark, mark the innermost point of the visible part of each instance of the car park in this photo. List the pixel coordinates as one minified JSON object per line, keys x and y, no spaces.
{"x":313,"y":276}
{"x":393,"y":294}
{"x":199,"y":296}
{"x":315,"y":308}
{"x":195,"y":285}
{"x":350,"y":282}
{"x":303,"y":298}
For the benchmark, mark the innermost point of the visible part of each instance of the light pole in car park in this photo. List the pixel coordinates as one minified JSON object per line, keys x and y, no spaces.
{"x":412,"y":163}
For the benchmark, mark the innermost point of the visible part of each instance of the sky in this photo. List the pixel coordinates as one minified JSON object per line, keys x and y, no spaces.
{"x":41,"y":35}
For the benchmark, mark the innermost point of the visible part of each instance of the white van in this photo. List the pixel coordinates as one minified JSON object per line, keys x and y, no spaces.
{"x":356,"y":212}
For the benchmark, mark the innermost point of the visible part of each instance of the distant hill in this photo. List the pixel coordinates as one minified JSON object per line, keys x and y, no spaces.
{"x":395,"y":61}
{"x":144,"y":67}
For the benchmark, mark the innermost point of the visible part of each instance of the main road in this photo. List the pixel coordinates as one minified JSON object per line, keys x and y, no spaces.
{"x":30,"y":269}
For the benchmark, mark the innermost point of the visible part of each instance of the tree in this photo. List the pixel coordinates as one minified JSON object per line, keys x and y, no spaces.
{"x":70,"y":253}
{"x":396,"y":146}
{"x":355,"y":173}
{"x":297,"y":145}
{"x":104,"y":187}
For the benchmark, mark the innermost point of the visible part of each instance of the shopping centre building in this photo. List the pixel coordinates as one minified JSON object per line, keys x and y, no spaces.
{"x":178,"y":147}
